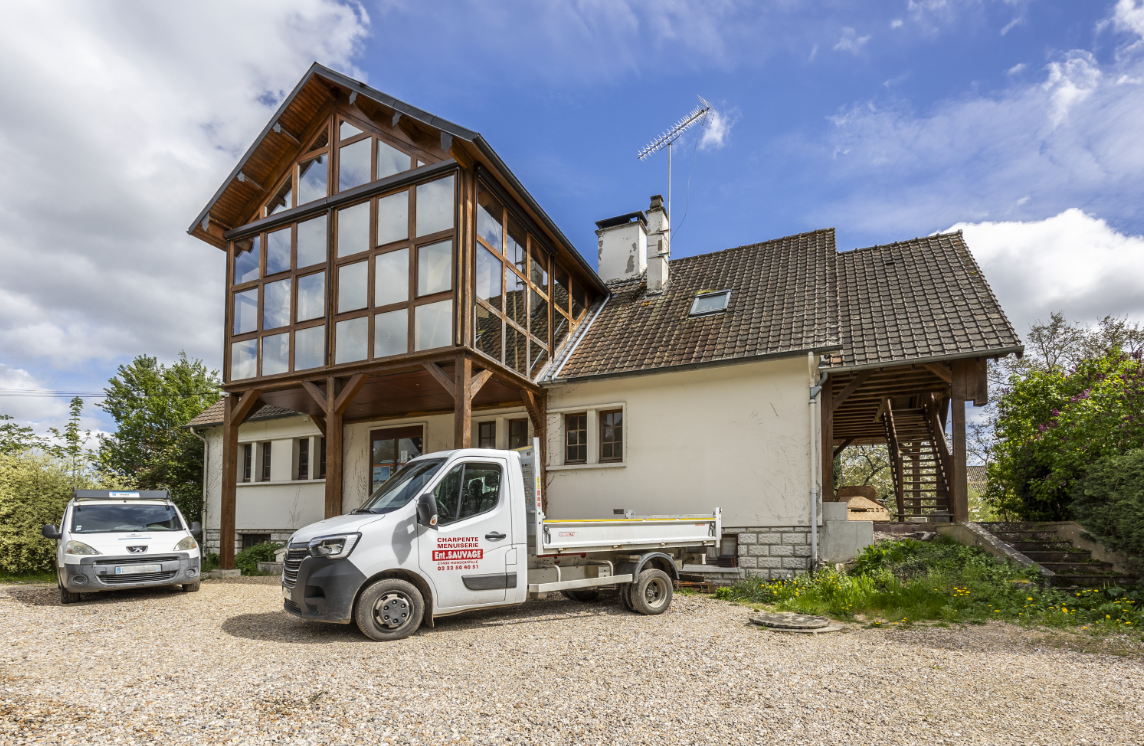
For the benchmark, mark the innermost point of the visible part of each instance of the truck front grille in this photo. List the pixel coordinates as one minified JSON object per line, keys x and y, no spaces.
{"x":290,"y":565}
{"x":143,"y":577}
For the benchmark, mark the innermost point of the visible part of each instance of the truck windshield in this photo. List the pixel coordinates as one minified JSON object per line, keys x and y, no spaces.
{"x":403,"y":486}
{"x":105,"y":519}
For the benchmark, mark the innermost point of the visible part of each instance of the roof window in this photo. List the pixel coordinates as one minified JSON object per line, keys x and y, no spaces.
{"x":707,"y":303}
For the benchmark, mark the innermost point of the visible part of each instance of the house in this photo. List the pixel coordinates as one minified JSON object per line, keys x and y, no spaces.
{"x":393,"y":289}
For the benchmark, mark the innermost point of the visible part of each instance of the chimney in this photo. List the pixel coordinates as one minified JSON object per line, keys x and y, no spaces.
{"x":658,"y":245}
{"x":622,"y":244}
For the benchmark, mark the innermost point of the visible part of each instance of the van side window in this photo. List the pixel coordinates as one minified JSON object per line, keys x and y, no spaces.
{"x":467,"y":490}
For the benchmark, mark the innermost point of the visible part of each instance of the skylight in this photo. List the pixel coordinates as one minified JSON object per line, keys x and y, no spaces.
{"x":706,"y":304}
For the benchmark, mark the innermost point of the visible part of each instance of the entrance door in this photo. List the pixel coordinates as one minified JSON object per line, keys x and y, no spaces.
{"x":465,"y":556}
{"x":389,"y":450}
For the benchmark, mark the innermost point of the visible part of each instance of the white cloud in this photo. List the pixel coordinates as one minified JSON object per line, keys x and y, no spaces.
{"x":1129,"y":16}
{"x":28,"y":410}
{"x":1070,"y":82}
{"x":896,"y":23}
{"x":1018,"y":21}
{"x":120,"y":120}
{"x":851,"y":41}
{"x":1018,"y":68}
{"x":1072,"y":262}
{"x":717,"y":133}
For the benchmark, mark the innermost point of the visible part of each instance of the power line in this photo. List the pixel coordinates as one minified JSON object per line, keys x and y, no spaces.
{"x":52,"y":394}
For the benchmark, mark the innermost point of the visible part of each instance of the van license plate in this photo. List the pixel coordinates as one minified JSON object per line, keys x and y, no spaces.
{"x":137,"y":569}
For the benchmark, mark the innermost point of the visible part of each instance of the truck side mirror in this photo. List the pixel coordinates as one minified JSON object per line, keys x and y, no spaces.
{"x":50,"y":532}
{"x":196,"y":528}
{"x":427,"y":511}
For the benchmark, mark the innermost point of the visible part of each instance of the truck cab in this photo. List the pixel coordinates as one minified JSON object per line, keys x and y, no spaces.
{"x":111,"y":540}
{"x":460,"y":530}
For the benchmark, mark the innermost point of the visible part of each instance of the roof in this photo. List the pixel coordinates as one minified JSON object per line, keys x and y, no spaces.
{"x":212,"y":415}
{"x":784,"y":300}
{"x":918,"y":300}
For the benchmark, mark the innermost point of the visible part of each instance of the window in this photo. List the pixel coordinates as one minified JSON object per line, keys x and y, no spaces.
{"x":576,"y":438}
{"x":612,"y":436}
{"x":391,"y":449}
{"x":518,"y":434}
{"x":266,"y":461}
{"x":247,"y":457}
{"x":487,"y":435}
{"x":322,"y":460}
{"x":304,"y":458}
{"x":250,"y":540}
{"x":468,"y":490}
{"x":706,"y":304}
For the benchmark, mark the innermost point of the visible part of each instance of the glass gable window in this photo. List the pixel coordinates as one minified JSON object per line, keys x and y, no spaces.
{"x":312,"y":242}
{"x":310,"y":348}
{"x":311,"y":296}
{"x":353,"y":280}
{"x":434,"y":325}
{"x":393,"y":218}
{"x":276,"y":305}
{"x":278,"y":251}
{"x":246,"y":311}
{"x":435,"y":206}
{"x":247,"y":257}
{"x":353,"y":229}
{"x":391,"y":278}
{"x":390,"y":160}
{"x":275,"y":354}
{"x":391,"y":333}
{"x":351,"y":340}
{"x":353,"y":164}
{"x":243,"y":359}
{"x":312,"y":177}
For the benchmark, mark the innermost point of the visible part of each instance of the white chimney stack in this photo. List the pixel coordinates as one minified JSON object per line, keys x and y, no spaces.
{"x":622,"y":244}
{"x":658,"y":245}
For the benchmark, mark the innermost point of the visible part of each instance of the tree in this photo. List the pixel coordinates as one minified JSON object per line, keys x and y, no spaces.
{"x":151,"y":403}
{"x":867,"y":466}
{"x":15,"y":438}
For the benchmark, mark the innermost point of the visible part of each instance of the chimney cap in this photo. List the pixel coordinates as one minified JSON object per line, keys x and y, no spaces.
{"x":622,"y":219}
{"x":656,"y":201}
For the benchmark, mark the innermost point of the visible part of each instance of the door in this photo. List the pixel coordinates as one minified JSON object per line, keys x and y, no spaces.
{"x":465,"y":556}
{"x":389,"y":450}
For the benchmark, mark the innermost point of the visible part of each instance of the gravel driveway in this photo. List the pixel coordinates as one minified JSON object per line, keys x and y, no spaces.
{"x":227,"y":665}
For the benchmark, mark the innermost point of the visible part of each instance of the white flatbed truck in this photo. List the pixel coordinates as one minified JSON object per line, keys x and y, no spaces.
{"x":460,"y":530}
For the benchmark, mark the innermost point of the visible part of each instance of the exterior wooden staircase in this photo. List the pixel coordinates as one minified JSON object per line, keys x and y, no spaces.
{"x":919,"y":460}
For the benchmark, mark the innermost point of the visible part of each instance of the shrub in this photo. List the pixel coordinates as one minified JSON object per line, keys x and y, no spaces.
{"x":1109,"y":502}
{"x":247,"y":560}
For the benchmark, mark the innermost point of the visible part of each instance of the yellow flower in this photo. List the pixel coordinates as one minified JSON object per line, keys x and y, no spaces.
{"x":1030,"y":598}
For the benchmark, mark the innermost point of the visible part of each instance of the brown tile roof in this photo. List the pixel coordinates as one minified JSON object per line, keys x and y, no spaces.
{"x":783,"y":299}
{"x":924,"y":298}
{"x":212,"y":415}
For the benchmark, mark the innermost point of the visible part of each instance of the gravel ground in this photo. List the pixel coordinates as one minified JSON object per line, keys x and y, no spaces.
{"x":226,"y":665}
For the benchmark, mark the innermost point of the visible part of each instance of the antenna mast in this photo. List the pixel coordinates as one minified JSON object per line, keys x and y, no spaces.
{"x":698,"y":115}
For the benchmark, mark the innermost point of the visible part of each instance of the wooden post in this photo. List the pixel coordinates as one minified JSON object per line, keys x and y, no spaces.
{"x":537,"y":407}
{"x":229,"y":485}
{"x":826,"y":404}
{"x":959,"y":484}
{"x":915,"y":449}
{"x":333,"y":451}
{"x":462,"y":402}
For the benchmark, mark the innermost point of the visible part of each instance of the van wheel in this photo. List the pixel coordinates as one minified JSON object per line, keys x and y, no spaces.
{"x":584,"y":597}
{"x":651,"y":593}
{"x":67,"y":597}
{"x":191,"y":587}
{"x":390,"y":609}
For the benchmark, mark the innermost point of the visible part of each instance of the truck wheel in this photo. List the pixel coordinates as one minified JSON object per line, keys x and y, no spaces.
{"x":585,"y":596}
{"x":390,"y":609}
{"x":191,"y":587}
{"x":67,"y":597}
{"x":625,"y":594}
{"x":651,"y":593}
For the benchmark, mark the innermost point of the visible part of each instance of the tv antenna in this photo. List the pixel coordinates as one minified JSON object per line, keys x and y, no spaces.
{"x":698,"y":116}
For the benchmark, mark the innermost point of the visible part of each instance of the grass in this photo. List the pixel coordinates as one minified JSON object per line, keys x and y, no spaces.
{"x":7,"y":578}
{"x":895,"y":583}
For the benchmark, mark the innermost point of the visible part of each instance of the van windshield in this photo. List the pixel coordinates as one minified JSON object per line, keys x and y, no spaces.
{"x":106,"y":519}
{"x":403,"y":486}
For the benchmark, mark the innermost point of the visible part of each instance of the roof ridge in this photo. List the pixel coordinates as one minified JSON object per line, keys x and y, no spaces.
{"x":753,"y":245}
{"x":904,"y":241}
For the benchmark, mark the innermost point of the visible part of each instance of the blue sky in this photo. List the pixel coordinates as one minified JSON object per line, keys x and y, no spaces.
{"x":1014,"y":120}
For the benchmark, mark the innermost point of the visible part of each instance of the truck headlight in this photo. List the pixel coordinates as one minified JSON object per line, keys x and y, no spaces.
{"x":187,"y":544}
{"x":78,"y":547}
{"x":333,"y":547}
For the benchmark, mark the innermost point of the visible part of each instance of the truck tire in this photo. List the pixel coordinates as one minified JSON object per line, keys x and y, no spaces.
{"x":651,"y":593}
{"x":625,"y":594}
{"x":67,"y":597}
{"x":191,"y":587}
{"x":389,"y":609}
{"x":586,"y":596}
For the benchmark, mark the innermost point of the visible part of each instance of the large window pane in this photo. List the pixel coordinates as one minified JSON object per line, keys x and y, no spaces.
{"x":278,"y":251}
{"x":311,"y":296}
{"x":309,"y":348}
{"x":538,"y":317}
{"x":391,"y":333}
{"x":516,"y":350}
{"x":276,"y":304}
{"x":488,"y":277}
{"x":312,"y":242}
{"x":487,"y":328}
{"x":275,"y":354}
{"x":243,"y":359}
{"x":390,"y":160}
{"x":283,"y":199}
{"x":353,"y":229}
{"x":433,"y":325}
{"x":516,"y":299}
{"x":246,"y":311}
{"x":515,"y":247}
{"x":560,"y":293}
{"x":353,"y":165}
{"x":435,"y":206}
{"x":391,"y":278}
{"x":350,"y":340}
{"x":489,"y":217}
{"x":537,"y":357}
{"x":353,"y":280}
{"x":312,"y":179}
{"x":246,"y":260}
{"x":393,"y":218}
{"x":347,"y":130}
{"x":320,"y":142}
{"x":434,"y":268}
{"x":539,"y":267}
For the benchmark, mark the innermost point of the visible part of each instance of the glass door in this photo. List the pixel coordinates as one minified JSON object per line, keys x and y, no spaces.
{"x":390,"y":449}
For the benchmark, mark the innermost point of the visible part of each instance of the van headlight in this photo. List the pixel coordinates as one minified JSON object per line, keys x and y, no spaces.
{"x":78,"y":547}
{"x":333,"y":547}
{"x":187,"y":545}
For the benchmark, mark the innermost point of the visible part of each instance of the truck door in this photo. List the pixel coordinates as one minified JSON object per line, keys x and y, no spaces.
{"x":465,"y":556}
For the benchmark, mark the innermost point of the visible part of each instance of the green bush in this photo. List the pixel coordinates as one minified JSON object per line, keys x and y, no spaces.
{"x":247,"y":560}
{"x":34,"y":490}
{"x":1109,"y":502}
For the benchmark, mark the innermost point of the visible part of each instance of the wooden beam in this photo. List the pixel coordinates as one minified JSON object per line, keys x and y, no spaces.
{"x":320,"y":423}
{"x":479,"y":380}
{"x":895,"y":460}
{"x":851,"y":387}
{"x":959,"y":483}
{"x":842,"y":447}
{"x":243,"y":409}
{"x":826,"y":404}
{"x":279,"y":129}
{"x":442,"y":378}
{"x":229,"y":484}
{"x":334,"y":433}
{"x":316,"y":394}
{"x":346,"y":397}
{"x":980,"y":383}
{"x":881,"y":409}
{"x":940,"y":371}
{"x":462,"y":402}
{"x":243,"y":178}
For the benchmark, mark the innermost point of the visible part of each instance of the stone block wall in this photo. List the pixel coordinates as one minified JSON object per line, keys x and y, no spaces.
{"x":212,"y":542}
{"x":772,"y":553}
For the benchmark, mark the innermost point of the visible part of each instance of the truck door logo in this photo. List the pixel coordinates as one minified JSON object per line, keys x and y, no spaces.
{"x":458,"y":553}
{"x":445,"y":555}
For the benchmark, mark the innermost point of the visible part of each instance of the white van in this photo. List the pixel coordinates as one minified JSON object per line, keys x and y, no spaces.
{"x":112,"y":540}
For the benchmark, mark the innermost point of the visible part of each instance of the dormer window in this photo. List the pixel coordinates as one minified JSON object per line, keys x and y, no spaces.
{"x":708,"y":303}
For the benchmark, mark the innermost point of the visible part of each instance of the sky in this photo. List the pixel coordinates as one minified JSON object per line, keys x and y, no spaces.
{"x":1015,"y":121}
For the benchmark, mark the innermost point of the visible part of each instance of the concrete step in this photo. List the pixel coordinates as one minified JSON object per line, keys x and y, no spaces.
{"x":1011,"y":536}
{"x":1076,"y":568}
{"x":1090,"y":580}
{"x":1079,"y":555}
{"x":1039,"y":546}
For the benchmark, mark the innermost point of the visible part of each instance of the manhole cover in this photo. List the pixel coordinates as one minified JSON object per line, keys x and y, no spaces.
{"x":790,"y":620}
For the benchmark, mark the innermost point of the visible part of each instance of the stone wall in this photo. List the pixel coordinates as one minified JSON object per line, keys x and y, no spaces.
{"x":771,"y":553}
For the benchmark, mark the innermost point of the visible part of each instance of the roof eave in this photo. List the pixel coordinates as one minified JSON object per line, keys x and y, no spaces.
{"x":995,"y":352}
